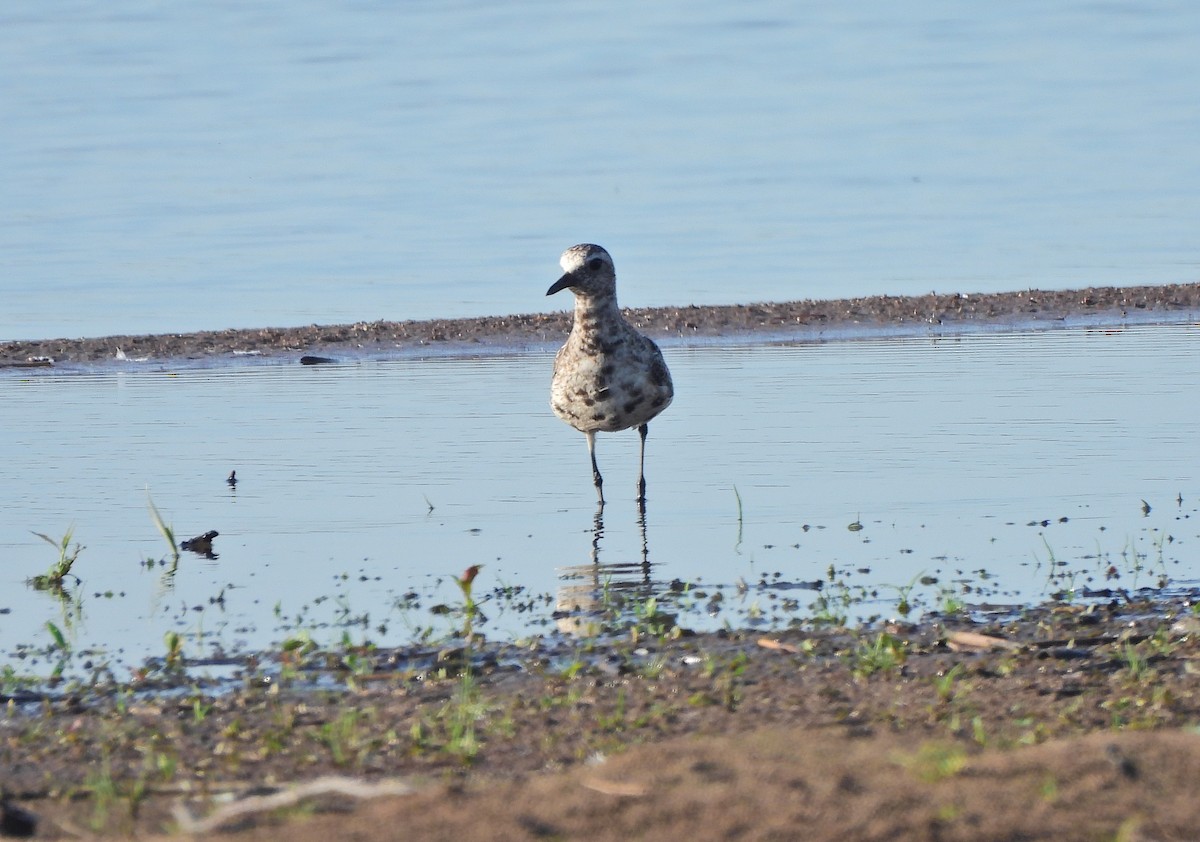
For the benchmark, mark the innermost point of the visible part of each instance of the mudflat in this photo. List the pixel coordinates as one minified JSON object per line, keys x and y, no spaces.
{"x":1071,"y":721}
{"x":797,"y":319}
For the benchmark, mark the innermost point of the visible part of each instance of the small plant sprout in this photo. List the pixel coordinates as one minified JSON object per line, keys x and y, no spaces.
{"x":469,"y":609}
{"x":174,"y":649}
{"x":460,"y":715}
{"x":52,"y":579}
{"x":166,"y":531}
{"x":292,"y":652}
{"x":1137,"y":666}
{"x":947,"y":683}
{"x":934,"y":762}
{"x":949,"y":602}
{"x":200,"y":709}
{"x":978,"y":731}
{"x":904,"y":595}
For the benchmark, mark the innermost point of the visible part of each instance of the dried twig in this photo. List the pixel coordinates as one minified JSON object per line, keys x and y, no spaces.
{"x":328,"y":785}
{"x":625,"y":789}
{"x":960,"y":640}
{"x":779,"y":646}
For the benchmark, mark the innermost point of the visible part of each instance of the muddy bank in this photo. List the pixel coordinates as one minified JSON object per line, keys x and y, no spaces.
{"x":802,"y":319}
{"x":1068,"y":722}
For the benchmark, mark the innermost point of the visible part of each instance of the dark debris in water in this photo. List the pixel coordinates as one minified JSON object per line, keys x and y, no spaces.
{"x":202,"y":544}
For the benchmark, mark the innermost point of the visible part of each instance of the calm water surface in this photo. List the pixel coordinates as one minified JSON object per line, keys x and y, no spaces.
{"x":363,"y":482}
{"x":178,"y":166}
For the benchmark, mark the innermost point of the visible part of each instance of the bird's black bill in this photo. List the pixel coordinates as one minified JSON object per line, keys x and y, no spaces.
{"x":561,"y":284}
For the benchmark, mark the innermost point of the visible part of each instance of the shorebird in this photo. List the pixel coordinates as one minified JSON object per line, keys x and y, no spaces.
{"x":607,"y":377}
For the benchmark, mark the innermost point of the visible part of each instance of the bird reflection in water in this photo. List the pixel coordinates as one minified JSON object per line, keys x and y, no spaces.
{"x":598,"y":597}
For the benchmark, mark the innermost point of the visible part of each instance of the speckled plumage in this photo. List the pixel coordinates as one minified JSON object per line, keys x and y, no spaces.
{"x":607,"y":377}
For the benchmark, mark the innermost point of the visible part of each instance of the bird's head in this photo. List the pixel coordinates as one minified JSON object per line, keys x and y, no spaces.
{"x":588,"y":272}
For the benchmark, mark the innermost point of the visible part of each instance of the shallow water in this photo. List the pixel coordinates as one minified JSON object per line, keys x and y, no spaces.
{"x":361,"y":483}
{"x":172,"y":166}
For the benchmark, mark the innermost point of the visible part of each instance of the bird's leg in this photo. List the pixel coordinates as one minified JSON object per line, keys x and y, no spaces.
{"x":596,"y":478}
{"x":642,"y":430}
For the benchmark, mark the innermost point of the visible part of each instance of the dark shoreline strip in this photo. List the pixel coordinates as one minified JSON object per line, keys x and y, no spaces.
{"x":665,"y":322}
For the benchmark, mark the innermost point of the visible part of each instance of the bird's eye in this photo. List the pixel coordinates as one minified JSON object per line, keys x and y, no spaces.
{"x":595,"y":263}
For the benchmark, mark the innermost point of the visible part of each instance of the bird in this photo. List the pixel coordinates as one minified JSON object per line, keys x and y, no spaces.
{"x":607,"y":376}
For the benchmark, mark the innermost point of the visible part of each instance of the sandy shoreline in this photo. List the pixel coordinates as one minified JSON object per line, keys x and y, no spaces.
{"x":797,"y":319}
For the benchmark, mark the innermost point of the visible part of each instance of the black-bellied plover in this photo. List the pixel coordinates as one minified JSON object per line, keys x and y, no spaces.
{"x":607,"y":377}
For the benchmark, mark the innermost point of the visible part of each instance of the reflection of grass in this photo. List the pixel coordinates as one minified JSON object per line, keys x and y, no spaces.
{"x":1058,"y":576}
{"x":60,"y":645}
{"x":163,"y":529}
{"x":1136,"y":561}
{"x":737,"y":546}
{"x":60,"y":640}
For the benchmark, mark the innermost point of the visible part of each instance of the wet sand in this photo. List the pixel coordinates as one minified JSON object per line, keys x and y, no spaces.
{"x":800,"y":320}
{"x":1072,"y":722}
